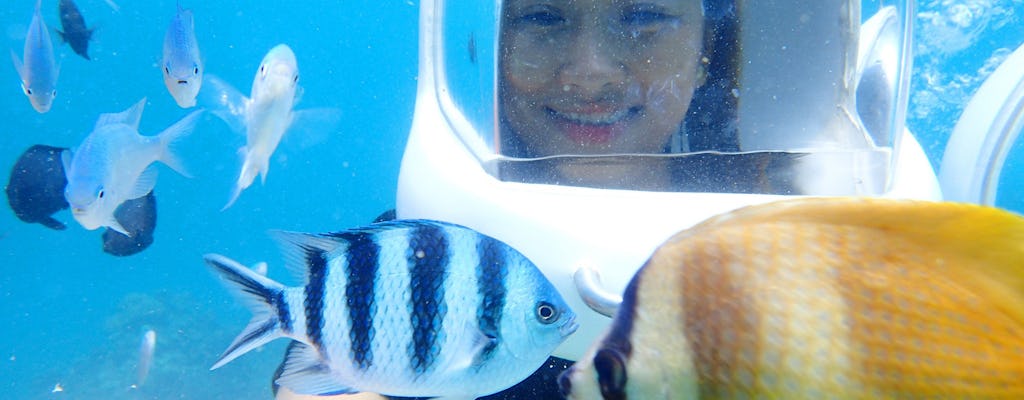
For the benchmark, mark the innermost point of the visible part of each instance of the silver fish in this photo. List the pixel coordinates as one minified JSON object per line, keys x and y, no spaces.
{"x":182,"y":67}
{"x":39,"y":71}
{"x":402,"y":308}
{"x":146,"y":349}
{"x":265,"y":116}
{"x":113,"y":165}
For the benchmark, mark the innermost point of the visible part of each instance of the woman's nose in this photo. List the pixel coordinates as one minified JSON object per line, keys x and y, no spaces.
{"x":591,"y":68}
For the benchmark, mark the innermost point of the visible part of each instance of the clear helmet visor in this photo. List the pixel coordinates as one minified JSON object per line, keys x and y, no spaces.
{"x":736,"y":96}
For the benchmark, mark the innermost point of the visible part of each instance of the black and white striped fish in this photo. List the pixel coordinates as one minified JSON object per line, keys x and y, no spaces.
{"x":411,"y":308}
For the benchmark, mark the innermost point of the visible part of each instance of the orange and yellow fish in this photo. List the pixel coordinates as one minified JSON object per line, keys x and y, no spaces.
{"x":844,"y":298}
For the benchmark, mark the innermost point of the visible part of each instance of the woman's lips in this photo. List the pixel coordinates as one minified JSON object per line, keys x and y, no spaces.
{"x":591,"y":127}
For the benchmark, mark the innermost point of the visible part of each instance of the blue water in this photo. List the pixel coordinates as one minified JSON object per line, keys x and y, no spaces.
{"x":73,"y":316}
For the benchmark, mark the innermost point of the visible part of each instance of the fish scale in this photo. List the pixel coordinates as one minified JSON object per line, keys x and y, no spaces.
{"x":840,"y":298}
{"x":427,"y":256}
{"x":407,"y":308}
{"x":492,"y":274}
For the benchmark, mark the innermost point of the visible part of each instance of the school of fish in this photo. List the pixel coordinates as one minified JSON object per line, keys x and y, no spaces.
{"x":843,"y":298}
{"x":807,"y":298}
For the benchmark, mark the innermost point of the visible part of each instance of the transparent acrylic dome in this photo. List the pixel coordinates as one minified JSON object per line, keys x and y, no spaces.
{"x":743,"y":96}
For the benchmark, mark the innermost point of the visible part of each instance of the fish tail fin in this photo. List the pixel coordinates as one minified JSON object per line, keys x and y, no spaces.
{"x":169,"y":137}
{"x":263,"y":296}
{"x":251,"y":167}
{"x":234,"y":196}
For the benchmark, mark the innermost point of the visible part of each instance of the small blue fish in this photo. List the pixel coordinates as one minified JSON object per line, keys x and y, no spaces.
{"x":39,"y":71}
{"x":113,"y":165}
{"x":182,"y":67}
{"x":146,"y":349}
{"x":268,"y":114}
{"x":402,"y":308}
{"x":76,"y":33}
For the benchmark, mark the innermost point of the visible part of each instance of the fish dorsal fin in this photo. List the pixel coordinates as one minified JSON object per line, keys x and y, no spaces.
{"x":297,"y":246}
{"x":304,"y":372}
{"x":977,"y":246}
{"x":130,"y":117}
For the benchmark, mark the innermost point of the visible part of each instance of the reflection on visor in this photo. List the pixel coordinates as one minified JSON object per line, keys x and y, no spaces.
{"x":763,"y":172}
{"x":674,"y":95}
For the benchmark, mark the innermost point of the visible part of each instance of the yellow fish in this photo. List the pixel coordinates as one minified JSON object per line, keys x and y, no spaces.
{"x":842,"y":298}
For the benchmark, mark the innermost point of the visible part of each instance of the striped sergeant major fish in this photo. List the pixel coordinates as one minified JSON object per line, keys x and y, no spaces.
{"x":839,"y":298}
{"x":411,"y":308}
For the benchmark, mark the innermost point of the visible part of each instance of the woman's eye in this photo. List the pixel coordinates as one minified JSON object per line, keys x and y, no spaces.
{"x":541,"y":15}
{"x":542,"y":18}
{"x":644,"y":18}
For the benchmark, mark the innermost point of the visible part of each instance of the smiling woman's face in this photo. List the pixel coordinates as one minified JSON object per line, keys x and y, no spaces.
{"x":597,"y":76}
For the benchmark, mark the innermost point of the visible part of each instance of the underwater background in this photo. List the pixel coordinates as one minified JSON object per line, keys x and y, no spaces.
{"x":72,"y":317}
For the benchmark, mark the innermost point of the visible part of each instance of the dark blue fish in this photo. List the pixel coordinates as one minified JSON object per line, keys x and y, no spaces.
{"x":75,"y":32}
{"x":138,"y":217}
{"x":35,"y":190}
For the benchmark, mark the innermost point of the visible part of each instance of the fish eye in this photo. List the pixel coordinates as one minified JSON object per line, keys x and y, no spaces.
{"x":53,"y":93}
{"x":167,"y":70}
{"x":546,"y":312}
{"x":100,"y":194}
{"x":263,"y":70}
{"x":28,"y":91}
{"x":195,"y":70}
{"x":295,"y":79}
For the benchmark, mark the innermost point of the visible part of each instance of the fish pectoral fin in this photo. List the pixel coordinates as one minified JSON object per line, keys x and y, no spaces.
{"x":52,"y":223}
{"x":144,"y":184}
{"x":18,"y":65}
{"x":65,"y":160}
{"x":466,"y":352}
{"x":116,"y":227}
{"x":311,"y":127}
{"x":304,"y":372}
{"x":224,"y":101}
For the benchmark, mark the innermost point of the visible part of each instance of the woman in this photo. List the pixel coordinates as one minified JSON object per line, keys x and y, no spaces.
{"x":598,"y":77}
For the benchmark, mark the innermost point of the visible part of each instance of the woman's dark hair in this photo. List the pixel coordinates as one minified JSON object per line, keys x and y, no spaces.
{"x":710,"y":122}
